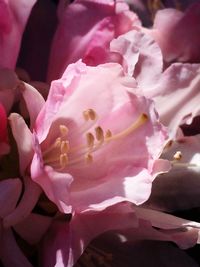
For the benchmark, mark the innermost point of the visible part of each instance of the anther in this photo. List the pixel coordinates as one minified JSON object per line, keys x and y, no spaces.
{"x":88,"y":158}
{"x":64,"y":148}
{"x":63,"y":160}
{"x":108,"y":134}
{"x":90,"y":140}
{"x":99,"y":134}
{"x":57,"y":142}
{"x":63,"y":130}
{"x":178,"y":155}
{"x":89,"y":114}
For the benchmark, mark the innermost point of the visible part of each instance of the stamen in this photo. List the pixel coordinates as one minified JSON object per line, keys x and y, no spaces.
{"x":139,"y":122}
{"x":63,"y":130}
{"x":184,"y":164}
{"x":64,"y":148}
{"x":56,"y":144}
{"x":57,"y":153}
{"x":99,"y":134}
{"x":88,"y":158}
{"x":89,"y":114}
{"x":108,"y":134}
{"x":90,"y":140}
{"x":178,"y":155}
{"x":63,"y":160}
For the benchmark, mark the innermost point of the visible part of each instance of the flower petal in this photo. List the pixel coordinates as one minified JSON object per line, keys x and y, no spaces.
{"x":10,"y":190}
{"x":14,"y":16}
{"x":23,"y":138}
{"x":65,"y":242}
{"x":29,"y":199}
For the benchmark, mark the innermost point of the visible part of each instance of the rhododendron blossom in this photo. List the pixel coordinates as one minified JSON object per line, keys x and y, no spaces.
{"x":94,"y":134}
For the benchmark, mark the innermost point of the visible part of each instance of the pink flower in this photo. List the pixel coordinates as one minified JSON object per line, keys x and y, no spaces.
{"x":96,"y":142}
{"x":13,"y":18}
{"x":85,"y":30}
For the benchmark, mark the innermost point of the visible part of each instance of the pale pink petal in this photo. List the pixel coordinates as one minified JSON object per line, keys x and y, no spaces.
{"x":23,"y":138}
{"x":28,"y":201}
{"x":163,"y":220}
{"x":10,"y":253}
{"x":56,"y":97}
{"x":10,"y":190}
{"x":135,"y":189}
{"x":33,"y":228}
{"x":141,"y":55}
{"x":176,"y":95}
{"x":183,"y":232}
{"x":34,"y":101}
{"x":55,"y":185}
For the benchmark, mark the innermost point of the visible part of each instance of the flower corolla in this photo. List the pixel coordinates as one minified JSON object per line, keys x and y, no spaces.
{"x":96,"y":142}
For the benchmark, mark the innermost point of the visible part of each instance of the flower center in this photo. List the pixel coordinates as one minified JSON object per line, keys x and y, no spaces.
{"x":60,"y":155}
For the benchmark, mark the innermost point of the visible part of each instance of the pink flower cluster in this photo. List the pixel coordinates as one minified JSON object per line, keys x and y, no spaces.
{"x":104,"y":147}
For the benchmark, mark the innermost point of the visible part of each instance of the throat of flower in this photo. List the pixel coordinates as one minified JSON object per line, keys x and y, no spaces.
{"x":60,"y":155}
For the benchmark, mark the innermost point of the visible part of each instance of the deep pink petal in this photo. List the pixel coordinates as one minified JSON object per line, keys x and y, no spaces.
{"x":14,"y":15}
